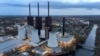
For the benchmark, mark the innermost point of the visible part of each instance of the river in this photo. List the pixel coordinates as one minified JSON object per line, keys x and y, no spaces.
{"x":89,"y":44}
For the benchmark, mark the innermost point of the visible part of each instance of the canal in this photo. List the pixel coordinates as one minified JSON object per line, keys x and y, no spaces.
{"x":89,"y":44}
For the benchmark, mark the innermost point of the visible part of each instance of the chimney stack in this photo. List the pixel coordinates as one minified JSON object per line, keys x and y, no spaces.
{"x":48,"y":22}
{"x":29,"y":10}
{"x":38,"y":21}
{"x":38,"y":9}
{"x":63,"y":26}
{"x":48,"y":8}
{"x":30,"y":18}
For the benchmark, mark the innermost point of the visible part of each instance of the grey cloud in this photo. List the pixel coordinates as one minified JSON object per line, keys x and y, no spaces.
{"x":57,"y":5}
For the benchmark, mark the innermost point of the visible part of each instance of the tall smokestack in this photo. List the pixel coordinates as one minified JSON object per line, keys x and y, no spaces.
{"x":48,"y":22}
{"x":30,"y":18}
{"x":38,"y":21}
{"x":38,"y":9}
{"x":29,"y":10}
{"x":48,"y":8}
{"x":63,"y":26}
{"x":48,"y":19}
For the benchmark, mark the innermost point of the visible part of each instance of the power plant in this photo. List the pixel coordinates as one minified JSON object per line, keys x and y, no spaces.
{"x":37,"y":37}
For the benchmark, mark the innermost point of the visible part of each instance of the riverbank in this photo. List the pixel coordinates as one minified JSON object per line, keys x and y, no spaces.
{"x":87,"y":48}
{"x":97,"y":42}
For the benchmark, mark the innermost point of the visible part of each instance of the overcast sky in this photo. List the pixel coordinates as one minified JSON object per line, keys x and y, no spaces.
{"x":58,"y":7}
